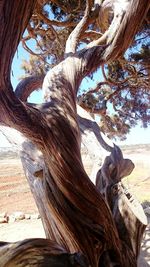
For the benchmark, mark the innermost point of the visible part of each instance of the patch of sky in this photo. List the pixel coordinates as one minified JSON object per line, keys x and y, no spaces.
{"x":48,"y":11}
{"x":89,"y":82}
{"x":17,"y":72}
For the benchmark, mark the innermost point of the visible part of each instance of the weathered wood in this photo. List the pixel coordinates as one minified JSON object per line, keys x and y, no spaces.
{"x":119,"y":199}
{"x":127,"y":212}
{"x":38,"y":252}
{"x":34,"y":166}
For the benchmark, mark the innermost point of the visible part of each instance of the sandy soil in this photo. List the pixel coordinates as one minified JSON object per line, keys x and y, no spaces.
{"x":15,"y":193}
{"x":20,"y":230}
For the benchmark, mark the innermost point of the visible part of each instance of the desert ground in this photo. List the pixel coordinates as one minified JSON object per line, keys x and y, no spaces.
{"x":15,"y":196}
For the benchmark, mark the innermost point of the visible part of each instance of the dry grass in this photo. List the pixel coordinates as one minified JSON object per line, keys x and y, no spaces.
{"x":139,"y":180}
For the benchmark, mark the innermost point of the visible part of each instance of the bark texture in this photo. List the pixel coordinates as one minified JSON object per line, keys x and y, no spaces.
{"x":38,"y":252}
{"x":76,"y":214}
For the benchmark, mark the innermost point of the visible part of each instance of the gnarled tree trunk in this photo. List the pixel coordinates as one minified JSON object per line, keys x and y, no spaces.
{"x":76,"y":214}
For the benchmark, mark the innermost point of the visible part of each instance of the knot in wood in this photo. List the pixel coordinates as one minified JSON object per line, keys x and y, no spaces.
{"x":115,"y":189}
{"x":79,"y":259}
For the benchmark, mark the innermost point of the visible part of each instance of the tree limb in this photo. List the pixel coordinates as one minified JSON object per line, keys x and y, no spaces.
{"x":38,"y":252}
{"x":59,"y":3}
{"x":12,"y":40}
{"x":123,"y":28}
{"x":90,"y":34}
{"x":121,"y":201}
{"x":27,"y":86}
{"x":25,"y":46}
{"x":74,"y":37}
{"x":135,"y":13}
{"x":67,"y":23}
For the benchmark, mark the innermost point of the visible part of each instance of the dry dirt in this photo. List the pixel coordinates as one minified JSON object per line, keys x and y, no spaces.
{"x":15,"y":196}
{"x":15,"y":193}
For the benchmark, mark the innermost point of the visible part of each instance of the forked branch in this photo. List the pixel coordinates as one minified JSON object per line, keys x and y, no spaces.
{"x":75,"y":35}
{"x":125,"y":24}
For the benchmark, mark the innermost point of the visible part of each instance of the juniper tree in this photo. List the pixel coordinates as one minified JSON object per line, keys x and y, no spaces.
{"x":101,"y":221}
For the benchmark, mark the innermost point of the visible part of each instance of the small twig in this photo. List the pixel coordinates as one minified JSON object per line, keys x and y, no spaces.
{"x":31,"y":52}
{"x":114,"y":82}
{"x":134,"y":62}
{"x":67,"y":23}
{"x":116,"y":92}
{"x":61,"y":5}
{"x":97,"y":88}
{"x":91,"y":34}
{"x":139,"y":39}
{"x":78,"y":6}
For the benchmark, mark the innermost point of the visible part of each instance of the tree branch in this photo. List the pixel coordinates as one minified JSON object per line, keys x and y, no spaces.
{"x":60,"y":4}
{"x":38,"y":252}
{"x":75,"y":35}
{"x":90,"y":34}
{"x":95,"y":55}
{"x":27,"y":86}
{"x":135,"y":13}
{"x":9,"y":37}
{"x":66,"y":23}
{"x":31,"y":52}
{"x":14,"y":113}
{"x":122,"y":202}
{"x":123,"y":28}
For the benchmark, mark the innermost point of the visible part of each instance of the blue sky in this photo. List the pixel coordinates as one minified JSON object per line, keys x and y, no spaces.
{"x":137,"y":135}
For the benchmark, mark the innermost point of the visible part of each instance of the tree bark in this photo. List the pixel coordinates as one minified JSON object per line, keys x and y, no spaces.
{"x":127,"y":212}
{"x":78,"y":216}
{"x":38,"y":252}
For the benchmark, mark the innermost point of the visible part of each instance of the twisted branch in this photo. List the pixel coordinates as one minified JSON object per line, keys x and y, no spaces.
{"x":75,"y":35}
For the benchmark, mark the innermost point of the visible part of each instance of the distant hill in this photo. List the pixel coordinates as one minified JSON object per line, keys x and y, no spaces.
{"x":8,"y":152}
{"x":131,"y":149}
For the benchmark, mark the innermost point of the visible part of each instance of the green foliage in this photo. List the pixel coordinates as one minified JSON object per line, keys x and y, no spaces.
{"x":114,"y":127}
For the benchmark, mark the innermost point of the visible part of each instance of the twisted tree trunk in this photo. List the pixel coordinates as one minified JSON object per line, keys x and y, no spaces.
{"x":76,"y":214}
